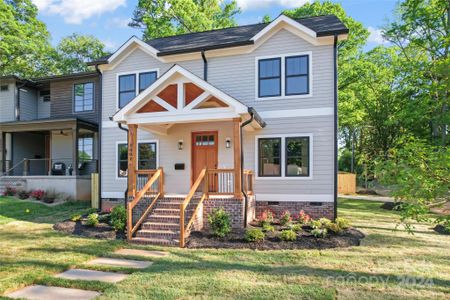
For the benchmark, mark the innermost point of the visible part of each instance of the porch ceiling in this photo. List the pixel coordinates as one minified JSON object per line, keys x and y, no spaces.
{"x":179,"y":96}
{"x":47,"y":125}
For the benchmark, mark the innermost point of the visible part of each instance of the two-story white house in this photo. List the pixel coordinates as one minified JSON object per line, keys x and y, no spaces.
{"x":243,"y":118}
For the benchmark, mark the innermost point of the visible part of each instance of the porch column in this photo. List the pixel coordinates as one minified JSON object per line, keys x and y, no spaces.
{"x":237,"y":157}
{"x":132,"y":157}
{"x":75,"y":150}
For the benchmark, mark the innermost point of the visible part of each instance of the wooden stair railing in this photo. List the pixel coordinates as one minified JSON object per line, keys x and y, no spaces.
{"x":131,"y":229}
{"x":201,"y":177}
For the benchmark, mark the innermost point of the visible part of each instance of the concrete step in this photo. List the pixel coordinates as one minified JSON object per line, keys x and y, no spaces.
{"x":154,"y":241}
{"x":119,"y":262}
{"x":139,"y":252}
{"x":81,"y":274}
{"x":40,"y":292}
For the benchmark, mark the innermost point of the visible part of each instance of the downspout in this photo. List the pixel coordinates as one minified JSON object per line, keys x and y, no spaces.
{"x":99,"y":136}
{"x":335,"y":125}
{"x":252,"y":116}
{"x":126,"y":191}
{"x":205,"y":66}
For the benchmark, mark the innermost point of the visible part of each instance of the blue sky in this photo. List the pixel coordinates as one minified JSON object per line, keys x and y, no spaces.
{"x":108,"y":19}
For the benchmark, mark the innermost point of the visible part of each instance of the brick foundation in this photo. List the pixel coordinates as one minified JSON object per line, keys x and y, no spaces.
{"x":325,"y":210}
{"x":235,"y":207}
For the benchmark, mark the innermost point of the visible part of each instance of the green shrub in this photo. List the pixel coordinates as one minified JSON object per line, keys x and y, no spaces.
{"x":319,"y":232}
{"x":119,"y":218}
{"x":297,"y":228}
{"x":254,"y":235}
{"x":22,"y":194}
{"x":75,"y":217}
{"x":267,"y":228}
{"x":334,"y":228}
{"x":285,"y":218}
{"x":220,"y":222}
{"x":342,"y":223}
{"x":92,"y":220}
{"x":288,"y":235}
{"x":266,"y":217}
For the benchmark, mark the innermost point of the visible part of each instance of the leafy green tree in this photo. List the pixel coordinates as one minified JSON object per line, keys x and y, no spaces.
{"x":76,"y":50}
{"x":160,"y":18}
{"x":25,"y":49}
{"x":421,"y":31}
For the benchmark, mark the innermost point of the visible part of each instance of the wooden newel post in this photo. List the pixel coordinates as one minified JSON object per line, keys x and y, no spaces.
{"x":132,"y":158}
{"x":237,"y":157}
{"x":182,"y":207}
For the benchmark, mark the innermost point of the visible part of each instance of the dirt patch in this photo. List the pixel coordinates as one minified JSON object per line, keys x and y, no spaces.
{"x":101,"y":231}
{"x":367,"y":192}
{"x":441,"y":229}
{"x":391,"y":205}
{"x":305,"y":240}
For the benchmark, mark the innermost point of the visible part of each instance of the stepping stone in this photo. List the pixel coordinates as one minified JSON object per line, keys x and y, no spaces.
{"x":80,"y":274}
{"x":137,"y":252}
{"x":118,"y":262}
{"x":41,"y":292}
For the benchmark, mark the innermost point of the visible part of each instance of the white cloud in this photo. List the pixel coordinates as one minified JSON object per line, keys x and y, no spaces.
{"x":118,"y":22}
{"x":76,"y":11}
{"x":255,"y":4}
{"x":110,"y":45}
{"x":376,"y":36}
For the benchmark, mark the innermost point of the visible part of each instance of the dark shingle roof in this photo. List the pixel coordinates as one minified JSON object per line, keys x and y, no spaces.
{"x":233,"y":36}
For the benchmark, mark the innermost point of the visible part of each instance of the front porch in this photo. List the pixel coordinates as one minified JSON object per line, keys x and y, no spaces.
{"x":198,"y":166}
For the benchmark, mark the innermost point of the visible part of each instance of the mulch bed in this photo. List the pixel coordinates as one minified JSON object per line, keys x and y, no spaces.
{"x":101,"y":231}
{"x":441,"y":229}
{"x":235,"y":240}
{"x":391,"y":205}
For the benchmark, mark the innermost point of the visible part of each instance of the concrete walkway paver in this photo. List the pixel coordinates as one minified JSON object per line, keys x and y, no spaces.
{"x":368,"y":198}
{"x":81,"y":274}
{"x":41,"y":292}
{"x":118,"y":262}
{"x":138,"y":252}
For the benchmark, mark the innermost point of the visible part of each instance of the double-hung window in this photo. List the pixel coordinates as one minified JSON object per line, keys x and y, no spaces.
{"x":85,"y":148}
{"x":132,"y":84}
{"x":83,"y":97}
{"x":284,"y":156}
{"x":269,"y":77}
{"x":146,"y":157}
{"x":284,"y":76}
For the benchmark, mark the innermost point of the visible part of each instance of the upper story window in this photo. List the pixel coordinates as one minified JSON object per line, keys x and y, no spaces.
{"x":84,"y":97}
{"x":45,"y":96}
{"x":269,"y":77}
{"x":4,"y":88}
{"x":297,"y":75}
{"x":284,"y":76}
{"x":130,"y":83}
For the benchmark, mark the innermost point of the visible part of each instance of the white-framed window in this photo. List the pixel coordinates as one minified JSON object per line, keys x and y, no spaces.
{"x":283,"y":76}
{"x":147,"y":157}
{"x":284,"y":156}
{"x":83,"y":97}
{"x":130,"y":84}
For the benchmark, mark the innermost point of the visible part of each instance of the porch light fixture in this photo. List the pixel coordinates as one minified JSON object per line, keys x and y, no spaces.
{"x":228,"y":143}
{"x":180,"y":145}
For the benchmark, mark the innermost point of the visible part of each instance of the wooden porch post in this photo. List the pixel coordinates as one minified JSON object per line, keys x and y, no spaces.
{"x":75,"y":150}
{"x":237,"y":157}
{"x":132,"y":157}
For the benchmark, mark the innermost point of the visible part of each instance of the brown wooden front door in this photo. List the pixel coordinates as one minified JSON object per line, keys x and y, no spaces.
{"x":204,"y":152}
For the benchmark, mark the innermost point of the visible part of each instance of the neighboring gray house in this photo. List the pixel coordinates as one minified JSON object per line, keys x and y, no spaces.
{"x":48,"y":132}
{"x":244,"y":118}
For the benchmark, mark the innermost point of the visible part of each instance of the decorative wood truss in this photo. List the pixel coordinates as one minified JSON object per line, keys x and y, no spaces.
{"x":179,"y":96}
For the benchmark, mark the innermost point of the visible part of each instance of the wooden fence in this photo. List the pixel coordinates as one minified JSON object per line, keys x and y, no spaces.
{"x":346,"y":183}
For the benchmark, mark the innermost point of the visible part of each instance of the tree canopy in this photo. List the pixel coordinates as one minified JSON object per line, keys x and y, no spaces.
{"x":160,"y":18}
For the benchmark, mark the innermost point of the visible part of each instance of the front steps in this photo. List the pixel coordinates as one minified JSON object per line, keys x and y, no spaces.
{"x":162,"y":226}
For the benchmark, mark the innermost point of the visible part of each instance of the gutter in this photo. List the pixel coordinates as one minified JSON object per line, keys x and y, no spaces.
{"x":205,"y":66}
{"x":99,"y":136}
{"x":335,"y":124}
{"x":252,"y":117}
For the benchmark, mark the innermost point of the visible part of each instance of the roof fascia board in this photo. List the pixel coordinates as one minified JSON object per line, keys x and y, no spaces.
{"x":126,"y":47}
{"x":288,"y":21}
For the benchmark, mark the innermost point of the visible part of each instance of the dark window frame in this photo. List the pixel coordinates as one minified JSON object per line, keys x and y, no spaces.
{"x":82,"y":137}
{"x":126,"y":160}
{"x":286,"y":76}
{"x":270,"y":77}
{"x":286,"y":155}
{"x":4,"y":87}
{"x":119,"y":92}
{"x":260,"y":170}
{"x":75,"y":101}
{"x":144,"y":73}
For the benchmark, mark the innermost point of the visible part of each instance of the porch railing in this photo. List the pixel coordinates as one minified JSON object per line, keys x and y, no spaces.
{"x":152,"y":190}
{"x":44,"y":167}
{"x":248,"y":182}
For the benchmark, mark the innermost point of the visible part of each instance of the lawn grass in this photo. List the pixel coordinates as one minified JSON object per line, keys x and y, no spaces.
{"x":386,"y":265}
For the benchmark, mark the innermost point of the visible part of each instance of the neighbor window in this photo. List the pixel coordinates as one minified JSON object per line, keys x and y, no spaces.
{"x":4,"y":88}
{"x":146,"y":157}
{"x":297,"y":156}
{"x":83,"y":97}
{"x":297,"y":75}
{"x":269,"y":153}
{"x":127,"y":89}
{"x":146,"y":79}
{"x":269,"y":77}
{"x":85,"y":148}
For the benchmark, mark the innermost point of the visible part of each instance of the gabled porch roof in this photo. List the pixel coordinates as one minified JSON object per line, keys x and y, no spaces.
{"x":178,"y":96}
